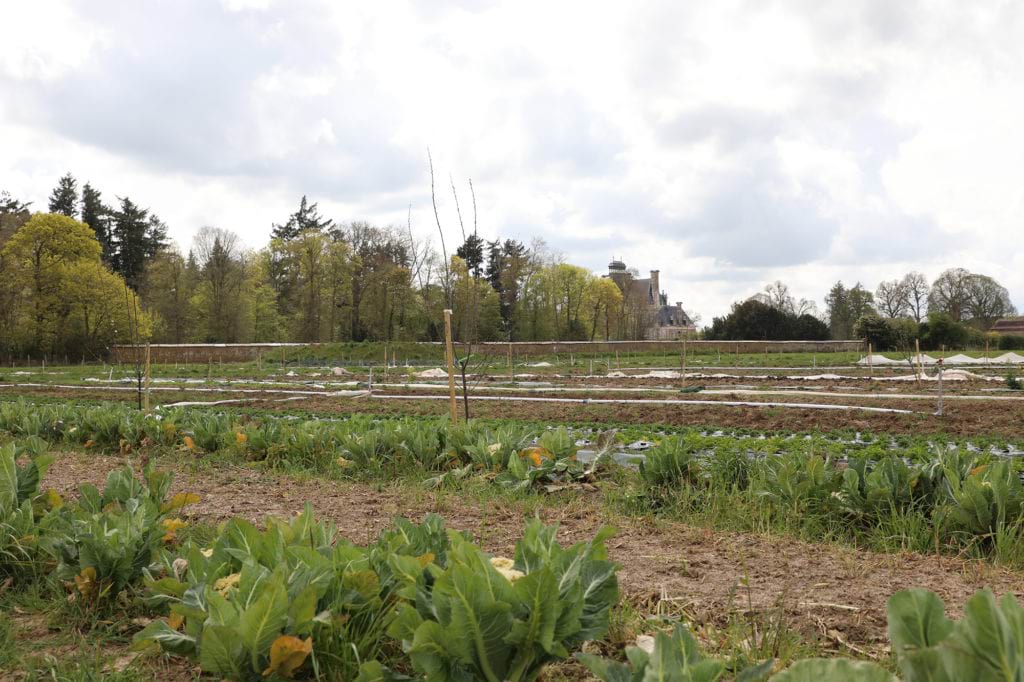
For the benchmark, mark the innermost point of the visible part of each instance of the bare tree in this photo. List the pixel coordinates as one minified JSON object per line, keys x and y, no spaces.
{"x":950,"y":293}
{"x":778,"y":296}
{"x":916,"y":289}
{"x":987,"y":301}
{"x":446,"y":284}
{"x":891,"y":298}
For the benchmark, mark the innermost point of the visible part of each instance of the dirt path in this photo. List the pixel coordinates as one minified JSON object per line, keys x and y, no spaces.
{"x":821,"y":588}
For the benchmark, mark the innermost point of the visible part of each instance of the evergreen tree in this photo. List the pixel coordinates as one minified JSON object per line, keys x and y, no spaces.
{"x":137,"y":237}
{"x":495,"y":265}
{"x":13,"y":214}
{"x":306,"y":218}
{"x":64,"y":198}
{"x":97,"y":216}
{"x":472,"y":251}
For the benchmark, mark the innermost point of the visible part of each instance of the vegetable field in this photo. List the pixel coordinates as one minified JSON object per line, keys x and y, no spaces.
{"x":291,"y":521}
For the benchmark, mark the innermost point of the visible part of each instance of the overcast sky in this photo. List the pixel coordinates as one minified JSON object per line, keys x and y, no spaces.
{"x":726,"y":143}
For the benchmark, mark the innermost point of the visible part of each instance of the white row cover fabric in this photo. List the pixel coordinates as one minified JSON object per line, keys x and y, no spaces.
{"x":959,"y":359}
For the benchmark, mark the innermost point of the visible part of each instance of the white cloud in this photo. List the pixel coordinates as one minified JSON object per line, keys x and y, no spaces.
{"x":727,"y":144}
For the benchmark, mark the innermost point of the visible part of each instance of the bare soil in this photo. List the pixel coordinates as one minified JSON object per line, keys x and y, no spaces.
{"x":827,"y":592}
{"x":961,"y":418}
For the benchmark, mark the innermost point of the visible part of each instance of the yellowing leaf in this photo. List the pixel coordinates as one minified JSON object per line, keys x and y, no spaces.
{"x":175,"y":620}
{"x":344,"y":463}
{"x":536,"y":455}
{"x":53,"y":499}
{"x":240,"y":438}
{"x":178,"y":501}
{"x":287,"y":654}
{"x":171,"y":528}
{"x":89,"y":443}
{"x":425,"y":559}
{"x":86,"y":582}
{"x":226,"y":583}
{"x":189,"y":443}
{"x":978,"y":469}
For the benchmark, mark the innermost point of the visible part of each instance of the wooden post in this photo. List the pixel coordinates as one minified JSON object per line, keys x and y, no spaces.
{"x":385,"y":361}
{"x":871,"y":364}
{"x":986,"y":351}
{"x":939,"y":413}
{"x":618,"y":365}
{"x":145,"y":396}
{"x":450,"y":357}
{"x":916,"y":345}
{"x":683,"y":377}
{"x":511,"y":371}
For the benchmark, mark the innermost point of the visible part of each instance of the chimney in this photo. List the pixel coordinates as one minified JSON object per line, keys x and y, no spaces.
{"x":655,"y":287}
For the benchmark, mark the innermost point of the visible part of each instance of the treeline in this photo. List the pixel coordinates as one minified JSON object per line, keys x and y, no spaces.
{"x":954,"y":311}
{"x":317,"y":280}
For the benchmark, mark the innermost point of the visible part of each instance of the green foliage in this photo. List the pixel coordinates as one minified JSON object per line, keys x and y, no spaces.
{"x":25,"y":515}
{"x":494,"y":619}
{"x":755,"y":320}
{"x":673,"y":461}
{"x":986,"y":644}
{"x":112,"y":537}
{"x":290,"y":586}
{"x":676,"y":658}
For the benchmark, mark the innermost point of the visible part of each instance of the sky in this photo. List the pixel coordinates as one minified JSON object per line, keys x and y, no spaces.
{"x":726,"y":143}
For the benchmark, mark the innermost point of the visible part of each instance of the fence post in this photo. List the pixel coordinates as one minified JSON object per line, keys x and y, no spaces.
{"x":145,"y":396}
{"x":450,"y":358}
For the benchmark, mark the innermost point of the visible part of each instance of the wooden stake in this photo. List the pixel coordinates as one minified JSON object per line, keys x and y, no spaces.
{"x":917,"y":347}
{"x":683,"y":377}
{"x":511,"y":371}
{"x":450,"y":357}
{"x":145,"y":396}
{"x":871,"y":364}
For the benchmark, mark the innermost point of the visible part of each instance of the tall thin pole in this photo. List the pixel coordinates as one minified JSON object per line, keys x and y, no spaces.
{"x":450,"y":358}
{"x":916,"y":345}
{"x":871,"y":364}
{"x":145,"y":396}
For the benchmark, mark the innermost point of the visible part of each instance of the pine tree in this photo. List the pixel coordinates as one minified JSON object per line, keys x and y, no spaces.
{"x":137,"y":237}
{"x":472,"y":251}
{"x":64,"y":198}
{"x":97,"y":216}
{"x":306,"y":218}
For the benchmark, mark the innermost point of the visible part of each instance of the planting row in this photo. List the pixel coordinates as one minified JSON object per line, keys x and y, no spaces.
{"x":294,"y":600}
{"x":940,"y":496}
{"x":952,"y":499}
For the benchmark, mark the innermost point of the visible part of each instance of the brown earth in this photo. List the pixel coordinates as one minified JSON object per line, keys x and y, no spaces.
{"x":962,"y":418}
{"x":832,"y":593}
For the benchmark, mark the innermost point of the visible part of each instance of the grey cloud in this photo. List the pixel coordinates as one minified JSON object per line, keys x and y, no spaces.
{"x":176,"y":91}
{"x":748,"y":221}
{"x":567,"y":134}
{"x":731,"y":127}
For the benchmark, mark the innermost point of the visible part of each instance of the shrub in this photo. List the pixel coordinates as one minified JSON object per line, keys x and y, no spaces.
{"x":1011,"y":342}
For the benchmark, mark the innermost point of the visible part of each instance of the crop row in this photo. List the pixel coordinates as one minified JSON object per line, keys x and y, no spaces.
{"x":954,"y":498}
{"x":294,"y":600}
{"x":940,"y":497}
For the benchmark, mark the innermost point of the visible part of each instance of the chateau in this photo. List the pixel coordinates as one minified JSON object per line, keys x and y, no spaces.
{"x":659,"y":320}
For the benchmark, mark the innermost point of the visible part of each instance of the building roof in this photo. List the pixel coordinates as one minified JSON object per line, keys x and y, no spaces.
{"x":1009,"y":325}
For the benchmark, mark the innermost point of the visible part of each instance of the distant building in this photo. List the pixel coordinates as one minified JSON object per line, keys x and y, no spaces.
{"x":1009,"y":325}
{"x":656,"y":319}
